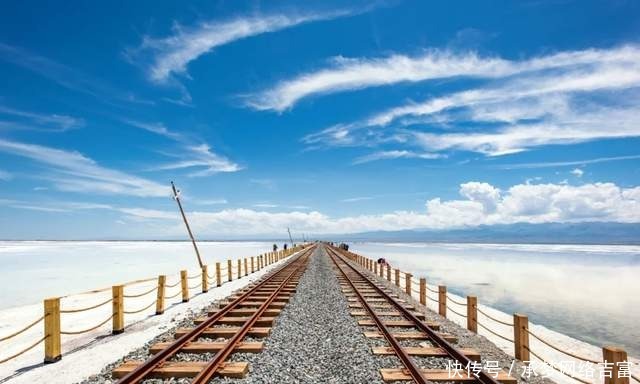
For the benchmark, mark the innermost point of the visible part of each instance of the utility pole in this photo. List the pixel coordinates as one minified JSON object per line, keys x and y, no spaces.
{"x":290,"y":239}
{"x":184,"y":218}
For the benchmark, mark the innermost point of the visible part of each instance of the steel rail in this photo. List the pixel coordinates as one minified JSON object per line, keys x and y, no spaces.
{"x":482,"y":376}
{"x":143,"y":370}
{"x":414,"y":370}
{"x":212,"y":366}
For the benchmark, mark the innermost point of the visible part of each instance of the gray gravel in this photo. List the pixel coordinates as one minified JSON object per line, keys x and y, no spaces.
{"x":315,"y":339}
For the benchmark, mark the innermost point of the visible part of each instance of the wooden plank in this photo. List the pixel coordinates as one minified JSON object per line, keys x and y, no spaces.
{"x":383,"y":305}
{"x":248,"y":312}
{"x":237,"y":370}
{"x":440,"y":375}
{"x":226,"y":332}
{"x":471,"y":353}
{"x":206,"y":347}
{"x":392,"y":313}
{"x":261,"y":322}
{"x":412,"y":336}
{"x":253,"y":303}
{"x":397,"y":323}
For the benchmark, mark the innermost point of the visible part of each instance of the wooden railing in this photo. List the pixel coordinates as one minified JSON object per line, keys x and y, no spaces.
{"x":186,"y":286}
{"x":614,"y":359}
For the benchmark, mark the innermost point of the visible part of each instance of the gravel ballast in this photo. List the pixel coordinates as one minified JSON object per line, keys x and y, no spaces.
{"x":316,"y":340}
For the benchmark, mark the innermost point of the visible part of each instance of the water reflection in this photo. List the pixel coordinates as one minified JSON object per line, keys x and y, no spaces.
{"x":590,"y":292}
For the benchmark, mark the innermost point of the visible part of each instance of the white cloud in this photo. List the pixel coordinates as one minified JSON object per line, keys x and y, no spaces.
{"x":50,"y":122}
{"x":191,"y":155}
{"x":345,"y":74}
{"x":396,"y":154}
{"x":577,"y":172}
{"x":563,"y":99}
{"x":171,"y":55}
{"x":481,"y":204}
{"x":74,"y":172}
{"x":552,"y":164}
{"x":356,"y":199}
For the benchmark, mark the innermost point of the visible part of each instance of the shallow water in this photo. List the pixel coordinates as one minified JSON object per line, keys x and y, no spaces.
{"x":34,"y":270}
{"x":591,"y":293}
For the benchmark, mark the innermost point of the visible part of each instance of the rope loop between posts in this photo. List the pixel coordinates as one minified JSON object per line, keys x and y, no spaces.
{"x":494,"y":333}
{"x":76,"y":310}
{"x":196,"y":286}
{"x":194,"y":277}
{"x":134,"y":282}
{"x":87,"y":330}
{"x":140,"y":294}
{"x":173,"y":296}
{"x":24,"y":350}
{"x":432,"y":290}
{"x":552,"y":366}
{"x":457,"y":313}
{"x":415,"y":281}
{"x":560,"y":350}
{"x":23,"y":329}
{"x":432,"y":299}
{"x":416,"y":291}
{"x":456,"y":302}
{"x":172,"y":285}
{"x":140,"y":310}
{"x":494,"y":319}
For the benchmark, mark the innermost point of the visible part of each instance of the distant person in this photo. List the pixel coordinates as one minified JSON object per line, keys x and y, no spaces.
{"x":285,"y":246}
{"x":382,"y":261}
{"x":275,"y":247}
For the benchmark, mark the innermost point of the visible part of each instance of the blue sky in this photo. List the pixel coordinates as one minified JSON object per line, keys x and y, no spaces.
{"x":328,"y":117}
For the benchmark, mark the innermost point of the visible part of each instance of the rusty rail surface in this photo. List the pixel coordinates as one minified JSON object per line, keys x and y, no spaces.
{"x":291,"y":269}
{"x":414,"y":370}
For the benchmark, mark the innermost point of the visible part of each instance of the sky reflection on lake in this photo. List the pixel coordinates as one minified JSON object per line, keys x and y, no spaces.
{"x":589,"y":292}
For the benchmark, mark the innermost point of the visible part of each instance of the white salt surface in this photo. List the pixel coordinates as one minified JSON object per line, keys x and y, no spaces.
{"x":86,"y":354}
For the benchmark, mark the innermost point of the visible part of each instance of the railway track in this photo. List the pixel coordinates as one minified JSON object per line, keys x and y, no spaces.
{"x":397,"y":322}
{"x":248,"y":314}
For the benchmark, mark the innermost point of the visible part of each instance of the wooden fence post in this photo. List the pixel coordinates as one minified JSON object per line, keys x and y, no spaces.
{"x":614,"y":355}
{"x":118,"y":309}
{"x":218,"y":275}
{"x":252,"y":268}
{"x":442,"y":300}
{"x":388,"y":272}
{"x":239,"y":268}
{"x":472,"y":313}
{"x":521,"y":336}
{"x":407,"y":283}
{"x":162,"y":282}
{"x":382,"y":270}
{"x":397,"y":277}
{"x":246,"y":270}
{"x":52,"y":349}
{"x":375,"y":268}
{"x":423,"y":291}
{"x":230,"y":270}
{"x":184,"y":284}
{"x":205,"y":279}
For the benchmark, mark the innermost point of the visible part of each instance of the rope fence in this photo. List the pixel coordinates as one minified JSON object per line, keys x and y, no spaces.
{"x":140,"y":310}
{"x":76,"y":310}
{"x":88,"y":329}
{"x":561,"y":350}
{"x":520,"y":325}
{"x":494,"y":319}
{"x":457,"y":313}
{"x":24,"y":350}
{"x":52,"y":317}
{"x":494,"y":333}
{"x":456,"y":302}
{"x":556,"y":369}
{"x":141,"y":294}
{"x":31,"y":325}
